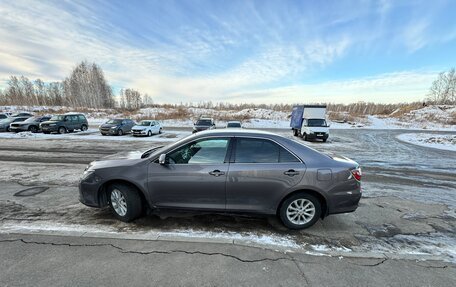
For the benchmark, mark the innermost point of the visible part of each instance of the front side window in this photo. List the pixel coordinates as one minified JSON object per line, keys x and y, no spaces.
{"x":261,"y":151}
{"x":207,"y":151}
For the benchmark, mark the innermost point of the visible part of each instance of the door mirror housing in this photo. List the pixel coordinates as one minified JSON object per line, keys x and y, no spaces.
{"x":162,"y":159}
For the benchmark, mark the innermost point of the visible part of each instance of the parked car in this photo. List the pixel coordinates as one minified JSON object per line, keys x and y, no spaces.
{"x":226,"y":171}
{"x":233,"y":124}
{"x":203,"y":124}
{"x":5,"y":123}
{"x":65,"y":123}
{"x":31,"y":124}
{"x":146,"y":128}
{"x":22,"y":114}
{"x":3,"y":116}
{"x":117,"y":127}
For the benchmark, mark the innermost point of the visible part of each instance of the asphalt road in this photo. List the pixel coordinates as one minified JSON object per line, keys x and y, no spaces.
{"x":407,"y":213}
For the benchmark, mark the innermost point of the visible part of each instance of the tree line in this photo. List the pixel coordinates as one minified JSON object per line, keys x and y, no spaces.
{"x":85,"y":87}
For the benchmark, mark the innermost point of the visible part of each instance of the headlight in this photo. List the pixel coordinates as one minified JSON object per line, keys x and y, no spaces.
{"x":113,"y":128}
{"x":89,"y":176}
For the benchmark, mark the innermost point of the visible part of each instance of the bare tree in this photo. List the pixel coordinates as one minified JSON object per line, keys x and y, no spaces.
{"x":443,"y":89}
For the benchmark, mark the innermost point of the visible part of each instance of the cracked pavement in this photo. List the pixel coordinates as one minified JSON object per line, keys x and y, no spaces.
{"x":62,"y":261}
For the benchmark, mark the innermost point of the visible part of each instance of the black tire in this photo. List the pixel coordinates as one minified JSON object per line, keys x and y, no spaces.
{"x":33,"y":129}
{"x":8,"y":129}
{"x":324,"y":140}
{"x":160,"y":130}
{"x":134,"y":204}
{"x":305,"y":196}
{"x":120,"y":132}
{"x":62,"y":130}
{"x":149,"y":133}
{"x":83,"y":128}
{"x":71,"y":131}
{"x":295,"y":132}
{"x":304,"y":136}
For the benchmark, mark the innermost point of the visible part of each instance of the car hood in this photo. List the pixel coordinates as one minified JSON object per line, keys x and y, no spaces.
{"x":118,"y":159}
{"x":109,"y":125}
{"x":23,"y":123}
{"x":139,"y":127}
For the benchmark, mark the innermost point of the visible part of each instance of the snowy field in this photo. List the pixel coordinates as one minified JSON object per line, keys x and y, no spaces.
{"x":438,"y":141}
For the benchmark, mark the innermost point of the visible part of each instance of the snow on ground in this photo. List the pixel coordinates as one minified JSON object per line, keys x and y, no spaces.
{"x":94,"y":134}
{"x":441,"y":117}
{"x":439,"y":141}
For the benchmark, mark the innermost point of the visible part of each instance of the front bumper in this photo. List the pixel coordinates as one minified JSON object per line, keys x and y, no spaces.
{"x":49,"y":128}
{"x":18,"y":129}
{"x":314,"y":136}
{"x":138,"y":133}
{"x":88,"y":193}
{"x":108,"y":132}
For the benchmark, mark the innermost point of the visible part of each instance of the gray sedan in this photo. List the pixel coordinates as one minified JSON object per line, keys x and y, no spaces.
{"x":232,"y":171}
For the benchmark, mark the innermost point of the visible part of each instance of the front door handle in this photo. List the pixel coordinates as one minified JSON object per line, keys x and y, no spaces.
{"x":291,"y":172}
{"x":216,"y":172}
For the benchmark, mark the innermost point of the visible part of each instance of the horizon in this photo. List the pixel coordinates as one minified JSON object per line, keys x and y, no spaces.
{"x":259,"y":52}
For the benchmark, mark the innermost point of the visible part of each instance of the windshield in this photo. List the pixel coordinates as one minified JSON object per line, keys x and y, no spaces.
{"x":233,"y":125}
{"x":316,"y":123}
{"x":57,"y":118}
{"x":33,"y":119}
{"x":144,"y":123}
{"x":203,"y":123}
{"x":114,"y":122}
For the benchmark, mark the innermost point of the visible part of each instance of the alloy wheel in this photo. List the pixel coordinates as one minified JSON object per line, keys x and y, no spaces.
{"x":118,"y":202}
{"x":300,"y":211}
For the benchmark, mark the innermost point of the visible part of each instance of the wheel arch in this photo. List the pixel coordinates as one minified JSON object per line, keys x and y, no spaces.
{"x":318,"y":195}
{"x":103,"y":196}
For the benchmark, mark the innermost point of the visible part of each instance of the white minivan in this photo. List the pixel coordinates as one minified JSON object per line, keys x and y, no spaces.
{"x":147,"y":128}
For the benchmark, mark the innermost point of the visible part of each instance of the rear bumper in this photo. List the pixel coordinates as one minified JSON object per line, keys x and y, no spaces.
{"x":344,"y":202}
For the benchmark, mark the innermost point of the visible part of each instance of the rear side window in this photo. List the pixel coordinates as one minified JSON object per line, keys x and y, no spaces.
{"x":261,"y":151}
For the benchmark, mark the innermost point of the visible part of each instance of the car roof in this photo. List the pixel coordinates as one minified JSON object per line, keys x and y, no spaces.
{"x":234,"y":122}
{"x":237,"y":132}
{"x":73,"y":114}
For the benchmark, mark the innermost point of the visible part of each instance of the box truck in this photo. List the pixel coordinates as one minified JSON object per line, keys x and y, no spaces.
{"x":309,"y":121}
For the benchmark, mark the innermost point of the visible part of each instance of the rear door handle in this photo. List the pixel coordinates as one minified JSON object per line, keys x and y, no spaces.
{"x":216,"y":172}
{"x":291,"y":172}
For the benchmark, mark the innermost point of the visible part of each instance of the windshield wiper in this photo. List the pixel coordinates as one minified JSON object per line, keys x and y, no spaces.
{"x":150,"y":151}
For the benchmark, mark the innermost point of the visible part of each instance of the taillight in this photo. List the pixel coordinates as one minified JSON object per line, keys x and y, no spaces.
{"x":356,"y":173}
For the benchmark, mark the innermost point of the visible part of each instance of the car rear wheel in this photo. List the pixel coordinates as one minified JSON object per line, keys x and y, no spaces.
{"x":33,"y":129}
{"x":120,"y":132}
{"x":62,"y":130}
{"x":83,"y":128}
{"x":125,"y":202}
{"x":300,"y":211}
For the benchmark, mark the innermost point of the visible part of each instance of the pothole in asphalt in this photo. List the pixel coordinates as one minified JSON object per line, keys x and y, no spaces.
{"x":31,"y":191}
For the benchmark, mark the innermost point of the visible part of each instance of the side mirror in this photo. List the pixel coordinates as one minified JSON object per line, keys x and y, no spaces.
{"x":162,"y":159}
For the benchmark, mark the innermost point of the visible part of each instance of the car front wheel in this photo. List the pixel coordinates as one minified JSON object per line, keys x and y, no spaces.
{"x":125,"y":202}
{"x":300,"y":211}
{"x":62,"y":130}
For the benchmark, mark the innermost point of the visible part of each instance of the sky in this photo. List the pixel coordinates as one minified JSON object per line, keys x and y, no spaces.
{"x":238,"y":51}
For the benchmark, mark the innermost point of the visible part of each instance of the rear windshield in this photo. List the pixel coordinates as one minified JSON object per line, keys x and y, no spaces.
{"x":234,"y":125}
{"x":33,"y":119}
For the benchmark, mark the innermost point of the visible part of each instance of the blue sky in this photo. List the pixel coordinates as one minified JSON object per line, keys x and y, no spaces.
{"x":237,"y":51}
